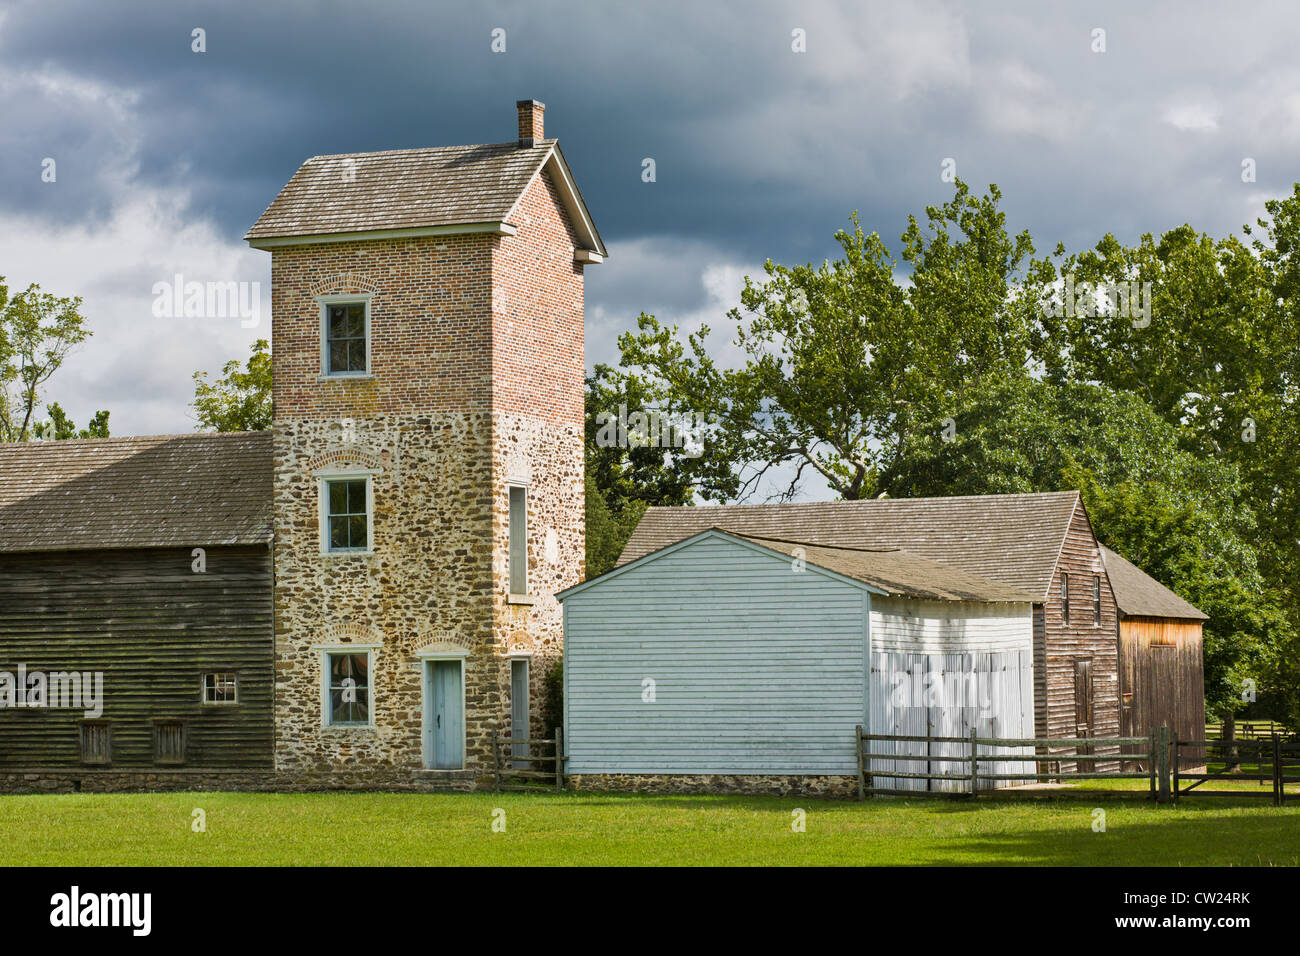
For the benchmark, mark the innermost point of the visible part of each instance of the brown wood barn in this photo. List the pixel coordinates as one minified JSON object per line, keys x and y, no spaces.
{"x":1161,"y":665}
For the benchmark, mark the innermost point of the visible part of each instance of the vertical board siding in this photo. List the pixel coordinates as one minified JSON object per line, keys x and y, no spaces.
{"x":152,"y":626}
{"x":943,"y":669}
{"x":1065,"y":642}
{"x":1163,"y":678}
{"x":757,"y":668}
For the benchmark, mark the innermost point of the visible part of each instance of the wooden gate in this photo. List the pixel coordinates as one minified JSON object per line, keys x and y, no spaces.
{"x":516,"y":769}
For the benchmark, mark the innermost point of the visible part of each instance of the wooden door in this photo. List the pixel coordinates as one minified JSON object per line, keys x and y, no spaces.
{"x":448,"y":728}
{"x":519,"y":722}
{"x":1083,"y":702}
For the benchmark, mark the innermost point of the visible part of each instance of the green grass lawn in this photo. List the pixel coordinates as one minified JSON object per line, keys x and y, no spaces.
{"x":593,"y":828}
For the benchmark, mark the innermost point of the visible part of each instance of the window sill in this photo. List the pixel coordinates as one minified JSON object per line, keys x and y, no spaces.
{"x":520,"y":599}
{"x":367,"y":377}
{"x":348,"y":554}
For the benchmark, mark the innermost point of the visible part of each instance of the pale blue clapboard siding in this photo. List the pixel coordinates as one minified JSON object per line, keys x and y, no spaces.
{"x":977,"y":662}
{"x":757,"y":668}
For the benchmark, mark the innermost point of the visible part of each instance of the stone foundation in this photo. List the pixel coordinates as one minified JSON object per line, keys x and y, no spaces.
{"x":780,"y":785}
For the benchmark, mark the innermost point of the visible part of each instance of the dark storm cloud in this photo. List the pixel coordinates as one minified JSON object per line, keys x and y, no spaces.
{"x":759,"y":151}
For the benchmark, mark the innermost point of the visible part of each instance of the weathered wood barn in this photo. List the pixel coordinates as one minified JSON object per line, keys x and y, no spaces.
{"x":755,"y":658}
{"x":135,"y":579}
{"x":1161,"y":660}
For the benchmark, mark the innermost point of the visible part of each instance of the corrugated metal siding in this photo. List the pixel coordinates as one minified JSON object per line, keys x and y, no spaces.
{"x":978,"y":661}
{"x":152,"y":625}
{"x":757,"y":668}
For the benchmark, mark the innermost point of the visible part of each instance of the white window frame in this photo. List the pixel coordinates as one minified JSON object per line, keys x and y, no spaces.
{"x":203,"y":687}
{"x":325,"y":652}
{"x":324,"y":302}
{"x":510,"y":564}
{"x":323,"y":508}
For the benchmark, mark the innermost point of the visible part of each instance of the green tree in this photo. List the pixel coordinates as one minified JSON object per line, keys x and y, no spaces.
{"x":1180,"y":517}
{"x":59,"y":426}
{"x":840,"y":360}
{"x":240,"y":400}
{"x":37,"y":331}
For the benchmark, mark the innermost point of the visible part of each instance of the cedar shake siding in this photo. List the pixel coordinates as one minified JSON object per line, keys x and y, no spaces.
{"x":153,"y":627}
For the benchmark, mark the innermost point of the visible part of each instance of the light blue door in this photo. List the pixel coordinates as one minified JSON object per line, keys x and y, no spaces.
{"x":448,"y":720}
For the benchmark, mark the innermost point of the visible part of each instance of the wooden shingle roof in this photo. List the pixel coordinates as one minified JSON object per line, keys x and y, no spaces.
{"x":897,"y":572}
{"x":1140,"y":595}
{"x":455,"y":188}
{"x":1012,"y":539}
{"x":195,"y":490}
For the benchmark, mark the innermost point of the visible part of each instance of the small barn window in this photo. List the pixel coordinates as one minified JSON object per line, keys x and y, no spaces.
{"x":169,"y":741}
{"x":346,"y":338}
{"x":347,"y":689}
{"x":96,"y":742}
{"x":1065,"y":598}
{"x":221,"y":687}
{"x":1096,"y":599}
{"x":345,"y":508}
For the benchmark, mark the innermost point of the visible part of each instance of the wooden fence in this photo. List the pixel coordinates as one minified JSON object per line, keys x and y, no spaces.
{"x":1260,"y":760}
{"x":964,"y":775}
{"x":1249,"y":730}
{"x":505,"y":769}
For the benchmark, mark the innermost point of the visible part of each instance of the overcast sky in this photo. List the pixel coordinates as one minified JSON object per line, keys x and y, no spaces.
{"x":164,"y":157}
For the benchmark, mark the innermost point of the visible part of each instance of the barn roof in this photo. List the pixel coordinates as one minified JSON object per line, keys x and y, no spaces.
{"x":891,"y":571}
{"x":1140,"y":595}
{"x":195,"y":490}
{"x":443,"y":188}
{"x":1011,"y":539}
{"x":897,"y":572}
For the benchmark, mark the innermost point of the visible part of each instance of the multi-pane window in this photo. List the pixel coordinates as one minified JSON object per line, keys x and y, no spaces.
{"x":518,"y":540}
{"x":96,"y":742}
{"x":1096,"y":599}
{"x":349,"y":689}
{"x":347,"y":526}
{"x":220,"y":687}
{"x":1065,"y":597}
{"x":345,"y":338}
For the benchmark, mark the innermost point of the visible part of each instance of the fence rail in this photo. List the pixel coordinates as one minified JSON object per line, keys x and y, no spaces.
{"x":966,"y":780}
{"x":505,"y":769}
{"x":1271,"y":757}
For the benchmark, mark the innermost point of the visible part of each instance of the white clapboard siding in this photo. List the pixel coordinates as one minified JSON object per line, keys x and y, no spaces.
{"x":940,"y":669}
{"x":758,"y":668}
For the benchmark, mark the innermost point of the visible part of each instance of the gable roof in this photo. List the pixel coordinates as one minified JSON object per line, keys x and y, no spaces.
{"x":196,"y":490}
{"x":1140,"y":595}
{"x":1011,"y":539}
{"x":411,"y":191}
{"x":888,"y":571}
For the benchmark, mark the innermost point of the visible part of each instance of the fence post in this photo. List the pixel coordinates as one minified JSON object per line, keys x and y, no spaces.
{"x":559,"y":758}
{"x":1176,"y":762}
{"x":857,"y":745}
{"x":1152,"y":764}
{"x":974,"y":764}
{"x":1279,"y":789}
{"x":496,"y":759}
{"x":1162,"y":758}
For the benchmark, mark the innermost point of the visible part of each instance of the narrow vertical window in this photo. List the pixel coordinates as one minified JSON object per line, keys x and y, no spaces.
{"x":96,"y":742}
{"x":1096,"y":599}
{"x":518,"y":540}
{"x":1065,"y":597}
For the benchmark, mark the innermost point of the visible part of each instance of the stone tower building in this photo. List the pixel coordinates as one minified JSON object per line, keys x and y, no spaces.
{"x":427,"y":343}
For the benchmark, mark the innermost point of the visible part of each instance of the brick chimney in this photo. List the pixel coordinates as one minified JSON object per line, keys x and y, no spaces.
{"x":530,"y":122}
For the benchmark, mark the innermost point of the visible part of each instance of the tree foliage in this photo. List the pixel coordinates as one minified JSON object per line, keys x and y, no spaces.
{"x":240,"y":399}
{"x":37,"y":331}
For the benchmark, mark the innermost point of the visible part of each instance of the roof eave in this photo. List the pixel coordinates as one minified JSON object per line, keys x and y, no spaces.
{"x":415,"y":232}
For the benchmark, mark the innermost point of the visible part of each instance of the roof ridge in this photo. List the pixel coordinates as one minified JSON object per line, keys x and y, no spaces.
{"x":63,"y":442}
{"x":433,"y":149}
